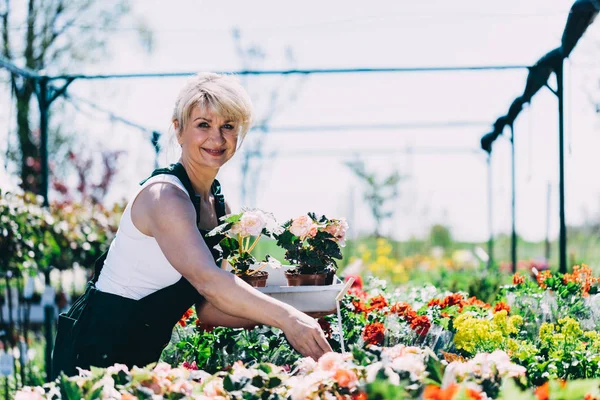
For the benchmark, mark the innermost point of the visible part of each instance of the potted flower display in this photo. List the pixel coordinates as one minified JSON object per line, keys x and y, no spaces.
{"x":241,"y":232}
{"x":312,"y":244}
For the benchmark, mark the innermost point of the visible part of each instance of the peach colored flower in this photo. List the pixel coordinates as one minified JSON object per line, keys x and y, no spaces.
{"x":312,"y":232}
{"x":301,"y":225}
{"x":330,"y":361}
{"x":346,"y":378}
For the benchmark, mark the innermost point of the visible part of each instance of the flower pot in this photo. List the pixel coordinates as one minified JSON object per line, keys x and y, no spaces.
{"x":258,"y":279}
{"x":296,"y":279}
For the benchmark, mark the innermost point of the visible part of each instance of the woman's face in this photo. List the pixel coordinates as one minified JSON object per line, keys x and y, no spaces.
{"x":208,"y":139}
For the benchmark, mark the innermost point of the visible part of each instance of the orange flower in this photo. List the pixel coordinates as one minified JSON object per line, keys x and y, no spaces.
{"x":474,"y":301}
{"x":590,"y":397}
{"x":404,"y":310}
{"x":359,"y":306}
{"x":543,"y":392}
{"x":421,"y":325}
{"x":378,"y":303}
{"x":432,"y":392}
{"x":501,"y":306}
{"x":583,"y":276}
{"x":518,"y":279}
{"x":435,"y":302}
{"x":474,"y":394}
{"x":185,"y":317}
{"x":374,"y":333}
{"x":541,"y":278}
{"x":128,"y":396}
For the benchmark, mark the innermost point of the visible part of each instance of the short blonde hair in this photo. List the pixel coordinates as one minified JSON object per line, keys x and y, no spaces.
{"x":221,"y":93}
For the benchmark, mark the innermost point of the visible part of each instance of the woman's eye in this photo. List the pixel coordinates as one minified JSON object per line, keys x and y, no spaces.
{"x":203,"y":125}
{"x":229,"y":127}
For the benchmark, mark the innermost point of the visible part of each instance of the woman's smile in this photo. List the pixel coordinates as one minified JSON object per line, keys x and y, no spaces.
{"x":214,"y":152}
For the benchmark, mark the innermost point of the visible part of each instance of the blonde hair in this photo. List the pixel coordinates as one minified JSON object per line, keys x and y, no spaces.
{"x":221,"y":93}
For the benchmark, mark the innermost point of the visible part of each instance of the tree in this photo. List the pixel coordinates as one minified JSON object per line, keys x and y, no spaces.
{"x":440,"y":236}
{"x":53,"y":36}
{"x":378,"y":192}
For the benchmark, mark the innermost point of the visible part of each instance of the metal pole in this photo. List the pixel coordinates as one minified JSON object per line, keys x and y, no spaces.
{"x":43,"y":105}
{"x":561,"y":169}
{"x":490,"y":214}
{"x":548,"y":216}
{"x":513,"y":241}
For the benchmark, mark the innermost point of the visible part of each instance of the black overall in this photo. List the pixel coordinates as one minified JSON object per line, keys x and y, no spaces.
{"x":101,"y":329}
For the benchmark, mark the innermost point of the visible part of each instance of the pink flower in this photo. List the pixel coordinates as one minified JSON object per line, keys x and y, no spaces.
{"x":189,"y":366}
{"x":301,"y":225}
{"x":312,"y":232}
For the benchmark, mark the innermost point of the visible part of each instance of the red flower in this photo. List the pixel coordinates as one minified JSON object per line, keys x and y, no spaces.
{"x":501,"y":306}
{"x":378,"y":303}
{"x":358,"y":282}
{"x":404,"y":310}
{"x":326,"y":326}
{"x":421,"y":324}
{"x":185,"y":317}
{"x":359,"y":396}
{"x":374,"y":333}
{"x":455,"y":299}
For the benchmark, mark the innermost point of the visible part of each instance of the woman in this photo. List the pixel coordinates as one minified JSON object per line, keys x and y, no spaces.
{"x":161,"y":262}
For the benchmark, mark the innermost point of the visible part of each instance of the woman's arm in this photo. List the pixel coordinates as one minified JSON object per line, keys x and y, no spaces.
{"x":169,"y":216}
{"x":210,"y":315}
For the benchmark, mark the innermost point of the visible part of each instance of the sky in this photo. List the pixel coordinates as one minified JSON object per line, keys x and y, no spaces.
{"x":445,"y":176}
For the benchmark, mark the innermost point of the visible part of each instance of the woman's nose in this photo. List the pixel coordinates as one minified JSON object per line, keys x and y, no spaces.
{"x":217,"y":136}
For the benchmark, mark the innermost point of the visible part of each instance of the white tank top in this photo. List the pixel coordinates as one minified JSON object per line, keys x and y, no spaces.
{"x":135,"y":266}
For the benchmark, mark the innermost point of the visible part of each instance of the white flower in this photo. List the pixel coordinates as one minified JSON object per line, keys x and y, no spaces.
{"x":251,"y":223}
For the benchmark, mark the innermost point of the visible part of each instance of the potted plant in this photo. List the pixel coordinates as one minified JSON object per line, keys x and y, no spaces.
{"x":312,"y":244}
{"x":241,"y":232}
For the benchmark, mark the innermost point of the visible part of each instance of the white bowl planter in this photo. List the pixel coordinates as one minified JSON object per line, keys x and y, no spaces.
{"x":311,"y":299}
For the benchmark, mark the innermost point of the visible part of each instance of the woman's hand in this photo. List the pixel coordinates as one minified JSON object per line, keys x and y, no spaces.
{"x":305,"y":335}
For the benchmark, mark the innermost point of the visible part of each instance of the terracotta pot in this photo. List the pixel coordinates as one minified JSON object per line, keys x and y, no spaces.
{"x":258,"y":279}
{"x":306,"y":279}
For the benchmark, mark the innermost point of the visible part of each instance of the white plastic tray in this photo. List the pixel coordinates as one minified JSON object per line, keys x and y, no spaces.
{"x":313,"y":299}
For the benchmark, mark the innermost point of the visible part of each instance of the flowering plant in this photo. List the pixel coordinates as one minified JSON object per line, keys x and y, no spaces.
{"x":241,"y":233}
{"x":313,"y":243}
